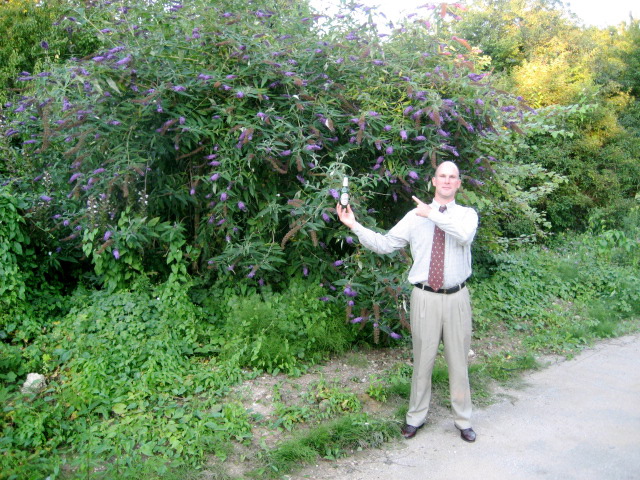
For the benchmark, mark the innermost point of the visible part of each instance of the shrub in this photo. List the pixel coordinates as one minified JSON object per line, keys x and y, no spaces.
{"x":282,"y":331}
{"x":235,"y":122}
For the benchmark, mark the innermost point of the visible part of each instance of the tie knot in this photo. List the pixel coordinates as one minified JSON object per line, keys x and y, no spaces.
{"x":443,"y":208}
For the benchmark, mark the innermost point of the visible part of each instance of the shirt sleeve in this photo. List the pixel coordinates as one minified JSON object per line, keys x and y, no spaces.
{"x":462,"y":227}
{"x":395,"y":239}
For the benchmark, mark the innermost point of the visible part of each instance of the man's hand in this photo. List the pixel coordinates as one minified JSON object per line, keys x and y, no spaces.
{"x":346,"y":216}
{"x":422,"y":209}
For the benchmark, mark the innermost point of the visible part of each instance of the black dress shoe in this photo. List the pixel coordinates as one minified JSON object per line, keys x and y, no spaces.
{"x":468,"y":435}
{"x":409,"y":431}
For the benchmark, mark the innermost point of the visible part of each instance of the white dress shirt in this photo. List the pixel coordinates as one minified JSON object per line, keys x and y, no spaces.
{"x":459,"y":224}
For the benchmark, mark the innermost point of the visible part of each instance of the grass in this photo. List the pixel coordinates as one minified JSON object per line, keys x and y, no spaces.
{"x":332,"y":440}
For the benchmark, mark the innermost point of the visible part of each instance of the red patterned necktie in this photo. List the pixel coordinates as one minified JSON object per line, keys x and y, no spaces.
{"x":436,"y":267}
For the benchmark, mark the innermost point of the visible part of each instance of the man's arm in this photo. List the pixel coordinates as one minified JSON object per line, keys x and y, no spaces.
{"x":396,"y":238}
{"x":463,"y":228}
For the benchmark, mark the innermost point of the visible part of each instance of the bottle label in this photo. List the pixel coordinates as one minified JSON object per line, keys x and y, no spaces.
{"x":344,"y":199}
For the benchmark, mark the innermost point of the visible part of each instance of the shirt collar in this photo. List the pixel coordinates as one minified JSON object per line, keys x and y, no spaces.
{"x":452,"y":203}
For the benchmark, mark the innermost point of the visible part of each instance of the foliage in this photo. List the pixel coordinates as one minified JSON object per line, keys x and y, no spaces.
{"x":123,"y":387}
{"x":40,"y":32}
{"x":13,"y":252}
{"x":579,"y":81}
{"x":279,"y":332}
{"x":596,"y":156}
{"x":514,"y":32}
{"x":552,"y":297}
{"x":630,"y":56}
{"x":28,"y":302}
{"x":234,"y":124}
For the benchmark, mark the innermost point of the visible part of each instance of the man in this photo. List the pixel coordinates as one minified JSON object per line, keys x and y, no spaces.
{"x":440,"y":304}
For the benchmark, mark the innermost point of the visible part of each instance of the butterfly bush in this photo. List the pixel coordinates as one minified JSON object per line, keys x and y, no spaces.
{"x":227,"y":127}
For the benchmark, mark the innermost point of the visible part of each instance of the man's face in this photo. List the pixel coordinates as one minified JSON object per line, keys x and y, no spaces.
{"x":447,"y":182}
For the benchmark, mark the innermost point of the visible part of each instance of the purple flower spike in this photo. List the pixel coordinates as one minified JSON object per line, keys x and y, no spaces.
{"x":124,"y":61}
{"x":224,"y":196}
{"x":107,"y":235}
{"x":45,"y":198}
{"x":305,"y":271}
{"x":74,"y":177}
{"x":179,"y":88}
{"x":116,"y":254}
{"x":349,"y":240}
{"x":334,"y":193}
{"x":349,"y":292}
{"x":357,"y":320}
{"x":326,"y":217}
{"x":337,"y":263}
{"x":242,"y":206}
{"x":403,"y":134}
{"x":214,"y":177}
{"x":395,"y":335}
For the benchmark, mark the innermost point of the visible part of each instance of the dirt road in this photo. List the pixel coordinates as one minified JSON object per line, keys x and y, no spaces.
{"x":575,"y":419}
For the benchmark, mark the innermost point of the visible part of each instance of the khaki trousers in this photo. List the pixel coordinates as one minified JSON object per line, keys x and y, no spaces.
{"x":439,"y":317}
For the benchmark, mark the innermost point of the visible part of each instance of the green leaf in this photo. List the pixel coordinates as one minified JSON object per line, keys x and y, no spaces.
{"x":147,"y":448}
{"x":113,"y":84}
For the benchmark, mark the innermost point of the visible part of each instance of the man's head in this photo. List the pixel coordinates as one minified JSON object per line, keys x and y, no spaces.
{"x":446,"y":181}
